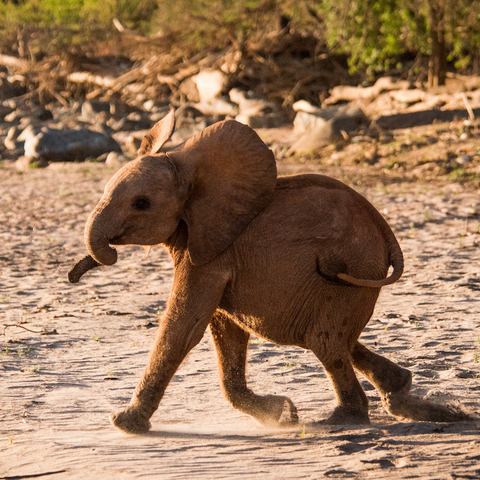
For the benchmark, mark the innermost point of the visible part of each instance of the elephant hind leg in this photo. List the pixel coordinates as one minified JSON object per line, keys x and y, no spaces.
{"x":415,"y":408}
{"x":387,"y":377}
{"x":231,"y":343}
{"x":352,"y":403}
{"x":394,"y":383}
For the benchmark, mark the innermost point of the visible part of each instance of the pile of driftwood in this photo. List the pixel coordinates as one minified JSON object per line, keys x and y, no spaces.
{"x":283,"y":67}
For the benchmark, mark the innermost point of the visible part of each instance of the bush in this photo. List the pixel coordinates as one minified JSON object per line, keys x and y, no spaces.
{"x":69,"y":22}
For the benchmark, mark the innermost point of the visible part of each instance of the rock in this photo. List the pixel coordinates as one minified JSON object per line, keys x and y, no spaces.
{"x":371,"y":155}
{"x":130,"y":141}
{"x":68,"y":145}
{"x":14,"y":116}
{"x":114,"y":159}
{"x":251,"y":104}
{"x":210,"y":84}
{"x":334,"y":130}
{"x":361,"y":138}
{"x":28,"y":131}
{"x":326,"y":126}
{"x":256,"y":111}
{"x":383,"y":104}
{"x":304,"y":106}
{"x":132,"y":122}
{"x":24,"y":163}
{"x":149,"y":105}
{"x":268,"y":120}
{"x":218,"y":106}
{"x":307,"y":122}
{"x":10,"y":140}
{"x":95,"y":112}
{"x":37,"y":115}
{"x":463,"y":159}
{"x":188,"y":89}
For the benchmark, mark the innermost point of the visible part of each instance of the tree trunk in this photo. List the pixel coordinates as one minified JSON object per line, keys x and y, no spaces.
{"x":437,"y":67}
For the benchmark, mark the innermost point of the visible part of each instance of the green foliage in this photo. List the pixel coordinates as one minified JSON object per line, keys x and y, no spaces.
{"x":214,"y":23}
{"x":76,"y":13}
{"x":463,"y":32}
{"x":61,"y":23}
{"x":368,"y":31}
{"x":374,"y":32}
{"x":217,"y":24}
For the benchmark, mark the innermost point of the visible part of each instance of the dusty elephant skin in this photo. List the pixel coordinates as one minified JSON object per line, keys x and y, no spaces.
{"x":296,"y":260}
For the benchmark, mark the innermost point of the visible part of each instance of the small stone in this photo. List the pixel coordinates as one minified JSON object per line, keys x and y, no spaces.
{"x":269,"y":120}
{"x":114,"y":159}
{"x":250,"y":104}
{"x":361,"y":138}
{"x":24,"y":163}
{"x":148,"y":105}
{"x":210,"y":83}
{"x":218,"y":106}
{"x":463,"y":159}
{"x":95,"y":112}
{"x":10,"y":142}
{"x":304,"y":106}
{"x":13,"y":116}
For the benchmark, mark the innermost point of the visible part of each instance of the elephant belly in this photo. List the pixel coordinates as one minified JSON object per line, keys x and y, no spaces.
{"x":301,"y":317}
{"x":278,"y":310}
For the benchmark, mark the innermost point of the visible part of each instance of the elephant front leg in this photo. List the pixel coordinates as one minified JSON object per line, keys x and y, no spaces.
{"x":174,"y":340}
{"x":195,"y":296}
{"x":231,"y":343}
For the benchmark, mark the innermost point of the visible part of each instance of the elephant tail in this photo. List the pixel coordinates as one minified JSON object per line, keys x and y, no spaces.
{"x":395,"y":259}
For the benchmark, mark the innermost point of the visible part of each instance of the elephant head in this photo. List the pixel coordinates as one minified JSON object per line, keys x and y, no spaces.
{"x":216,"y":183}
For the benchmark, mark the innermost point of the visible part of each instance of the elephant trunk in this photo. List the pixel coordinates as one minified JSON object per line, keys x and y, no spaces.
{"x":98,"y":232}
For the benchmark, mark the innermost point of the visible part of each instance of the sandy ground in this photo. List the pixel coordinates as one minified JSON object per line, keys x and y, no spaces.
{"x":58,"y":388}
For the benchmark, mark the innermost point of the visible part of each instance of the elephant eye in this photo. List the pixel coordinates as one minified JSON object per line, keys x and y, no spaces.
{"x":141,"y":203}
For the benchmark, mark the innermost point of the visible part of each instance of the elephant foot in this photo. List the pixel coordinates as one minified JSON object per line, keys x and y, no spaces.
{"x":344,"y":416}
{"x":278,"y":412}
{"x":403,"y":382}
{"x":130,"y":420}
{"x":414,"y":408}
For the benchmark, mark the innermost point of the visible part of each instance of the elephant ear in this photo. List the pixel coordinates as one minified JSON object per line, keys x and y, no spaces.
{"x":234,"y":178}
{"x":158,"y":135}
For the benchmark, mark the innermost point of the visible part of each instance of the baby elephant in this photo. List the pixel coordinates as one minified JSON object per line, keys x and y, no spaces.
{"x":296,"y":260}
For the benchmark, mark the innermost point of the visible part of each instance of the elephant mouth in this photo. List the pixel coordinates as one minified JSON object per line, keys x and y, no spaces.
{"x":116,"y":240}
{"x":129,"y":236}
{"x":121,"y":238}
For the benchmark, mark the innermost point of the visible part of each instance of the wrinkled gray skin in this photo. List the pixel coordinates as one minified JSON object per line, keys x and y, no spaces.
{"x":296,"y":260}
